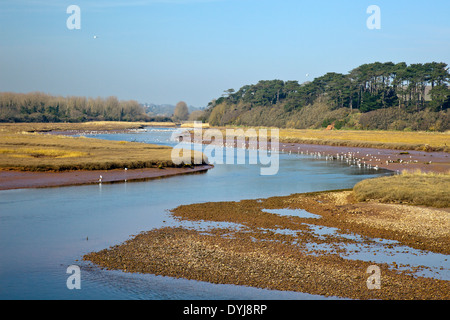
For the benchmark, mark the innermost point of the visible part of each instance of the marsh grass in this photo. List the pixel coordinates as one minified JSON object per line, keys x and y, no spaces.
{"x":21,"y":150}
{"x":415,"y":188}
{"x":397,"y":140}
{"x":423,"y":141}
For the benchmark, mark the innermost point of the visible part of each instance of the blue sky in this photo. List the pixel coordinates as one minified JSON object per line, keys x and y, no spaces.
{"x":164,"y":51}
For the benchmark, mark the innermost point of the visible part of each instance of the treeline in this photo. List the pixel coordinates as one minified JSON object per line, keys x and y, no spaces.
{"x":41,"y":107}
{"x":378,"y":89}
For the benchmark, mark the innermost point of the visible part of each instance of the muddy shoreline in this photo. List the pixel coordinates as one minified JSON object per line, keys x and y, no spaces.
{"x":23,"y":179}
{"x":272,"y":251}
{"x":390,"y":159}
{"x":13,"y":179}
{"x":394,"y":160}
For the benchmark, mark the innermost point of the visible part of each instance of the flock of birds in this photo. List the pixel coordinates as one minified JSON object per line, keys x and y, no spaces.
{"x":351,"y":158}
{"x":359,"y":159}
{"x":367,"y":161}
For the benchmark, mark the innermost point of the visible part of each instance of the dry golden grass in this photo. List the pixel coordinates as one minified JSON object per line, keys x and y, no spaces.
{"x":399,"y":140}
{"x":190,"y":124}
{"x":41,"y":153}
{"x":21,"y":150}
{"x":426,"y":141}
{"x":416,"y":188}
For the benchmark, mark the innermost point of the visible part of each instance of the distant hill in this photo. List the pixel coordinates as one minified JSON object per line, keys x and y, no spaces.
{"x":383,"y":96}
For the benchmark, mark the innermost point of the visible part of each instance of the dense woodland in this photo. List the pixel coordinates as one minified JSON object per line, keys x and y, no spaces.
{"x":41,"y":107}
{"x":371,"y":96}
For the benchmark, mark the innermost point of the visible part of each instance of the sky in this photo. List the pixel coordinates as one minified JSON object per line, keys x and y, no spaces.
{"x":165,"y":51}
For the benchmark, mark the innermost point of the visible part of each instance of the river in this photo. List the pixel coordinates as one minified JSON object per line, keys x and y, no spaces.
{"x":43,"y":231}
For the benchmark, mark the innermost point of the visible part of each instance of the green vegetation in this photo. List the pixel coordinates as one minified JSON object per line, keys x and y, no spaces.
{"x":415,"y":188}
{"x":384,"y":96}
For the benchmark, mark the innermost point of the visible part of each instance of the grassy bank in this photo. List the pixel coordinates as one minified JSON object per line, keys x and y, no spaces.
{"x":423,"y":141}
{"x":416,"y":188}
{"x":397,"y":140}
{"x":22,"y":150}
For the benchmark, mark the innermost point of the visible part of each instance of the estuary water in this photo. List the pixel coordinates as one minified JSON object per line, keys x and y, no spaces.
{"x":44,"y":231}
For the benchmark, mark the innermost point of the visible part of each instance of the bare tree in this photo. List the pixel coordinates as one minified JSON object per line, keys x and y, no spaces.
{"x":181,"y":111}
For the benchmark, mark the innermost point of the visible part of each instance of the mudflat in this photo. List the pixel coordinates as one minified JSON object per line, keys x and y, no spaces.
{"x":28,"y":179}
{"x":283,"y":252}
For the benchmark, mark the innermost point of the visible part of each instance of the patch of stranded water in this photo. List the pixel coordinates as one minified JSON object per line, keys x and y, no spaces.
{"x":205,"y":227}
{"x":301,"y":213}
{"x":376,"y":250}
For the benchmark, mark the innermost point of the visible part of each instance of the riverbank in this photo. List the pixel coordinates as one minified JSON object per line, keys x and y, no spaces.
{"x":397,"y":140}
{"x":394,"y":160}
{"x":309,"y":250}
{"x":424,"y":151}
{"x":31,"y":159}
{"x":24,"y":147}
{"x":31,"y":127}
{"x":25,"y":179}
{"x":390,"y":159}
